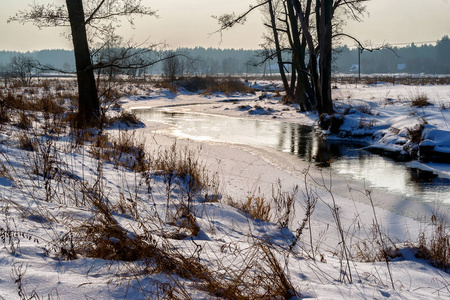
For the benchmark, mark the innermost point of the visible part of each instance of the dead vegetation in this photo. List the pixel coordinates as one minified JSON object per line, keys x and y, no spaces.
{"x":209,"y":85}
{"x":435,"y":247}
{"x":394,"y":79}
{"x":420,"y":100}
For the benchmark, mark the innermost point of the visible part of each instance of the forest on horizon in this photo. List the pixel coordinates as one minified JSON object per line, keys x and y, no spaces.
{"x":411,"y":59}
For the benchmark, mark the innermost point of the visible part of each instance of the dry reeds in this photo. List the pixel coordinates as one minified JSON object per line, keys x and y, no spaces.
{"x":436,"y":247}
{"x":420,"y":100}
{"x":257,"y":208}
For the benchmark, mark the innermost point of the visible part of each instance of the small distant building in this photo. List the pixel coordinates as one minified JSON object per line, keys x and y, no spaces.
{"x":401,"y":67}
{"x":354,"y":68}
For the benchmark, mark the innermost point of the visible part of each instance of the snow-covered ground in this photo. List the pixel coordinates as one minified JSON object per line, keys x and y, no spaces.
{"x":334,"y":257}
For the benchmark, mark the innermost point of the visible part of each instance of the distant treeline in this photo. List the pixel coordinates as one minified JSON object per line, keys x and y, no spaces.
{"x":60,"y":59}
{"x":429,"y":59}
{"x":196,"y":61}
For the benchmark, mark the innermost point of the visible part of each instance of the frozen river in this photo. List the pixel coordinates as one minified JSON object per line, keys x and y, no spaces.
{"x":348,"y":159}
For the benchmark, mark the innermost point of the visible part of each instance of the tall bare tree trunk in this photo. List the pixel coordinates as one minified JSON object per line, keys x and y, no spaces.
{"x":303,"y":17}
{"x":276,"y":39}
{"x":88,"y":102}
{"x":325,"y":48}
{"x":303,"y":93}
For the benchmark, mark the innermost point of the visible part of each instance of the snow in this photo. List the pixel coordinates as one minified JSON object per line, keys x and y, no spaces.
{"x":379,"y":114}
{"x":438,"y":138}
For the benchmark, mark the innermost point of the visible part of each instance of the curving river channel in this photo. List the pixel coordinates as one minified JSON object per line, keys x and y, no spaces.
{"x":349,"y":159}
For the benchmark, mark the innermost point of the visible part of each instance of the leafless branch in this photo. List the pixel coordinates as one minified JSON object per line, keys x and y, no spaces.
{"x":227,"y":21}
{"x":362,"y":48}
{"x":41,"y":15}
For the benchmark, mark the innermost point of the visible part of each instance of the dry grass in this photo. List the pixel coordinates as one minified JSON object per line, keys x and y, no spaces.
{"x":169,"y":85}
{"x":229,"y":86}
{"x":184,"y":219}
{"x":364,"y":123}
{"x":420,"y":100}
{"x":105,"y":239}
{"x":284,"y":203}
{"x":259,"y":275}
{"x":24,"y":121}
{"x":48,"y":104}
{"x":184,"y":164}
{"x":372,"y":249}
{"x":6,"y":103}
{"x":26,"y":143}
{"x":122,"y":150}
{"x":365,"y":109}
{"x":209,"y":85}
{"x":196,"y":83}
{"x":124,"y":119}
{"x":436,"y":247}
{"x":257,"y":208}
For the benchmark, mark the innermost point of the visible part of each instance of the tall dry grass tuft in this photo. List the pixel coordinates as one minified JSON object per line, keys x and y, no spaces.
{"x":256,"y":207}
{"x":420,"y":99}
{"x":121,"y":150}
{"x":284,"y":203}
{"x":309,"y":203}
{"x":374,"y":249}
{"x":184,"y":164}
{"x":436,"y":247}
{"x":124,"y":119}
{"x":256,"y":274}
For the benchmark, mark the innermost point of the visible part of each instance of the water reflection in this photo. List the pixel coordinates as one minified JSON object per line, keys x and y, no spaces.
{"x":343,"y":157}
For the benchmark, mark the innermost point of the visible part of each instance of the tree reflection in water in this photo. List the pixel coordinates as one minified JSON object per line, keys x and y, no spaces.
{"x":344,"y":157}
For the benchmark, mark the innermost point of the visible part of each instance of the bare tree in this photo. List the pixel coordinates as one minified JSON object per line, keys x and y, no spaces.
{"x":20,"y":68}
{"x":88,"y":103}
{"x":96,"y":17}
{"x":287,"y":38}
{"x":171,"y":66}
{"x":308,"y":27}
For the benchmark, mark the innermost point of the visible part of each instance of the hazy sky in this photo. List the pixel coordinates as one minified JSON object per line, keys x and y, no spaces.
{"x":188,"y":23}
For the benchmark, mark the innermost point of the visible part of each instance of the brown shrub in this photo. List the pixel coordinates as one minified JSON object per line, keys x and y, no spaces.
{"x":6,"y":104}
{"x":196,"y":83}
{"x":25,"y":143}
{"x":48,"y":104}
{"x":420,"y":100}
{"x":125,"y":118}
{"x":24,"y":121}
{"x":122,"y":150}
{"x":229,"y":86}
{"x":184,"y":164}
{"x":415,"y":133}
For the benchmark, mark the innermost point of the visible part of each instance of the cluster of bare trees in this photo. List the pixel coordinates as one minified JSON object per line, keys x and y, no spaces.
{"x":306,"y":29}
{"x":20,"y":68}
